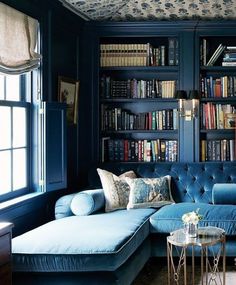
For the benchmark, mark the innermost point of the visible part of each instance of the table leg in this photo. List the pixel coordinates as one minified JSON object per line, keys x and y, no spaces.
{"x":202,"y":271}
{"x":193,"y":266}
{"x":185,"y":267}
{"x":223,"y":248}
{"x":206,"y":250}
{"x":168,"y":261}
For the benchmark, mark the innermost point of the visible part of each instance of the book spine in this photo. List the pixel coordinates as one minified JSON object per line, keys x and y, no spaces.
{"x":171,"y":51}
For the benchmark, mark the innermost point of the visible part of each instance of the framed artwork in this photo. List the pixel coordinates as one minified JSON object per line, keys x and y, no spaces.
{"x":68,"y":92}
{"x":230,"y":121}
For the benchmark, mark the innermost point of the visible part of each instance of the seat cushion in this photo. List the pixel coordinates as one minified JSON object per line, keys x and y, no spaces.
{"x":168,"y":218}
{"x":99,"y":242}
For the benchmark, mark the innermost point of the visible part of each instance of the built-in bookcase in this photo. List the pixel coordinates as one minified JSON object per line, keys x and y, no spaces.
{"x":132,"y":72}
{"x":138,"y":78}
{"x":217,"y":86}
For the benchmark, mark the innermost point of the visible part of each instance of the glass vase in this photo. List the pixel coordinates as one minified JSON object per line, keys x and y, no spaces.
{"x":191,"y":230}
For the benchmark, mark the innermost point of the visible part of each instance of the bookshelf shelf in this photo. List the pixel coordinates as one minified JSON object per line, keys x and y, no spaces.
{"x":224,"y":69}
{"x":227,"y":100}
{"x":141,"y":68}
{"x":220,"y":132}
{"x":156,"y":132}
{"x":139,"y":100}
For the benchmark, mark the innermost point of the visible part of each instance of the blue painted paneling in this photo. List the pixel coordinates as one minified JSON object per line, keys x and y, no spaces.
{"x":56,"y":143}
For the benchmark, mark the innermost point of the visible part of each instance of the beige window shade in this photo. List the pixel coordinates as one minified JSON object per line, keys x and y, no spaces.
{"x":18,"y":39}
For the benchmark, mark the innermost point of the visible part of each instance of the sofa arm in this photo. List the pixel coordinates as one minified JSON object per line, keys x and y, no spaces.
{"x":224,"y":193}
{"x":62,"y":207}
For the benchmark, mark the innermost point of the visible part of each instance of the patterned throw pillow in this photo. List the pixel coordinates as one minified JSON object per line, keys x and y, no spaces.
{"x":116,"y":189}
{"x":149,"y":192}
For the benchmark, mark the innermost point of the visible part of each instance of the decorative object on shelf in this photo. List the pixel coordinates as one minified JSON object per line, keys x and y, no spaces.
{"x":188,"y":106}
{"x":230,"y":121}
{"x":68,"y":92}
{"x":191,"y":221}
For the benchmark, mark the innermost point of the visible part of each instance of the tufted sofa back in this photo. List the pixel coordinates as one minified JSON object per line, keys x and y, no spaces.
{"x":191,"y":182}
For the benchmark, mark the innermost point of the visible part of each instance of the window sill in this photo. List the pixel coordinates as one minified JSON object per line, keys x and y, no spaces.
{"x":19,"y":200}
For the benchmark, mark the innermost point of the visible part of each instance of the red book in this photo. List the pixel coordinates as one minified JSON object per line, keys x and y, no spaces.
{"x":217,"y":86}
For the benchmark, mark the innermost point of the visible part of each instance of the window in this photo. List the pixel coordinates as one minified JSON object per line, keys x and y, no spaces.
{"x":15,"y":134}
{"x":32,"y":132}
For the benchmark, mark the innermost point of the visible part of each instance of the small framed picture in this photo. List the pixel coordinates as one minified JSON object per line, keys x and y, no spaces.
{"x":68,"y":92}
{"x":230,"y":121}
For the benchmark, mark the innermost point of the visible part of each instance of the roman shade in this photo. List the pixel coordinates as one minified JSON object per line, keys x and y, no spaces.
{"x":18,"y":40}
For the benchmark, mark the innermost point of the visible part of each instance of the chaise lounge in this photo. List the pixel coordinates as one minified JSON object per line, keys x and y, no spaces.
{"x":98,"y":247}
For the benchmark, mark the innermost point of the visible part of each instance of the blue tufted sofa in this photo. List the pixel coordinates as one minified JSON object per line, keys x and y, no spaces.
{"x":111,"y":248}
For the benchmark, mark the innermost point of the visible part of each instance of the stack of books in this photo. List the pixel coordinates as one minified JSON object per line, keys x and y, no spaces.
{"x":229,"y":56}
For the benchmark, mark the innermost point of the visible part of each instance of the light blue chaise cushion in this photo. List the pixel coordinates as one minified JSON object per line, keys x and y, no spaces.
{"x":168,"y":218}
{"x":224,"y":193}
{"x":97,"y":242}
{"x":87,"y":202}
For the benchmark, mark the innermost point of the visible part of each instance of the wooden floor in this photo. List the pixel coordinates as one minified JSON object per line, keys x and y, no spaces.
{"x":155,"y":273}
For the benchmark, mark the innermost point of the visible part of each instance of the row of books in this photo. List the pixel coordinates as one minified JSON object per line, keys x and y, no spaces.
{"x":116,"y":119}
{"x":224,"y":86}
{"x":134,"y":88}
{"x":218,"y":150}
{"x":213,"y":116}
{"x":139,"y":54}
{"x":139,"y":150}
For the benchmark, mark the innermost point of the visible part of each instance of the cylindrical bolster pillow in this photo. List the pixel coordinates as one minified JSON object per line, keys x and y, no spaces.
{"x":224,"y":193}
{"x":87,"y":202}
{"x":62,"y":207}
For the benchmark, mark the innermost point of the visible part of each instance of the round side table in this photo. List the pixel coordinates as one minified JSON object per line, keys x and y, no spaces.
{"x":209,"y":239}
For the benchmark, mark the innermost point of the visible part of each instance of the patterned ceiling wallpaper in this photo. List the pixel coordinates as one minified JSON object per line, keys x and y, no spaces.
{"x":122,"y":10}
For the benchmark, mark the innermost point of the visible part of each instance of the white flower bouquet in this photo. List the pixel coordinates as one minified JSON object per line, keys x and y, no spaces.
{"x":192,"y":217}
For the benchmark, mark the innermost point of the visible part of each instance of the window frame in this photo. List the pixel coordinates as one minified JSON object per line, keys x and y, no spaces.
{"x":28,"y":107}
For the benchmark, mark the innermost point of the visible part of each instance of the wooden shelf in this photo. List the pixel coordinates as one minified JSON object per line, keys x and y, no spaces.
{"x":140,"y":131}
{"x":138,"y":100}
{"x":224,"y":69}
{"x":225,"y":100}
{"x":141,"y":68}
{"x":218,"y":131}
